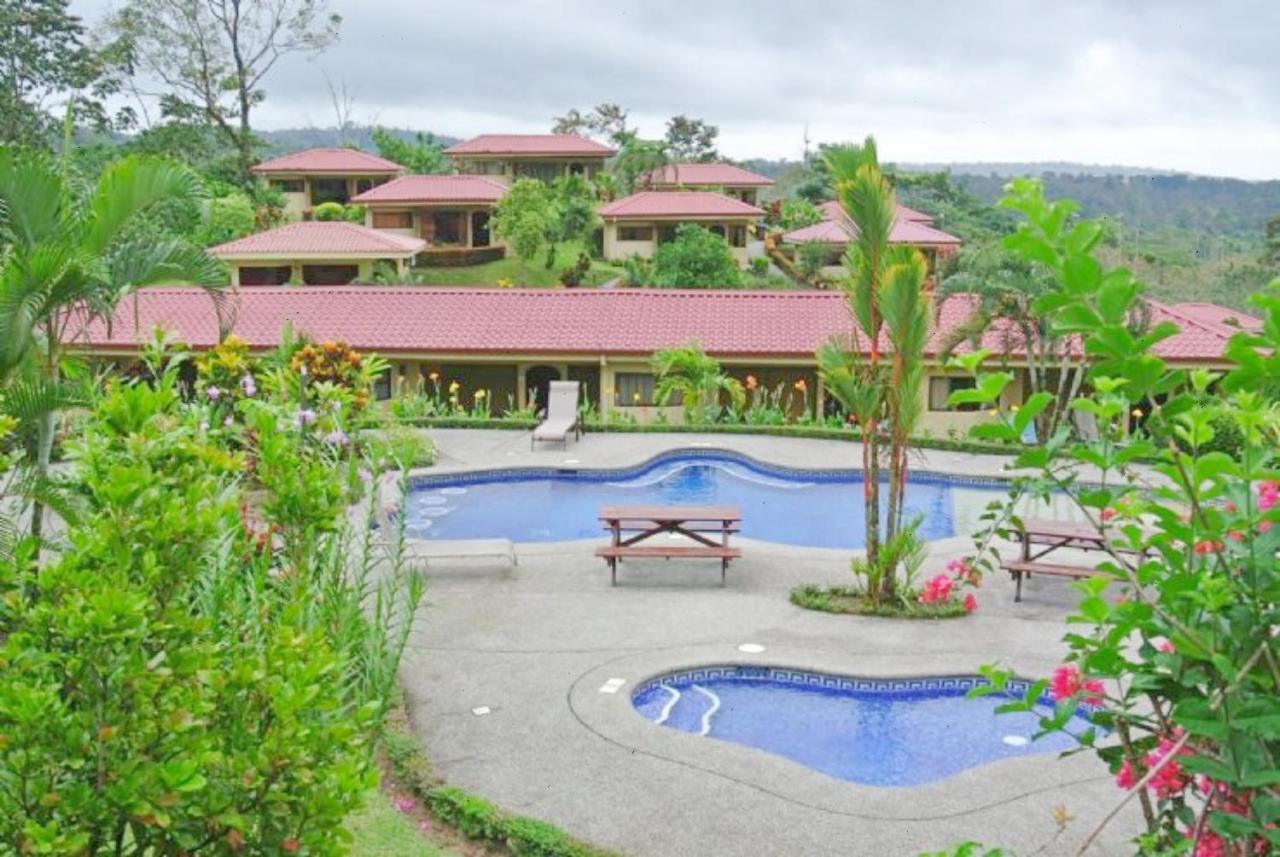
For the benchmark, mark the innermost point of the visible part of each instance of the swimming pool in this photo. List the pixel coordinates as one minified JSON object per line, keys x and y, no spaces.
{"x":879,"y":732}
{"x":815,"y":508}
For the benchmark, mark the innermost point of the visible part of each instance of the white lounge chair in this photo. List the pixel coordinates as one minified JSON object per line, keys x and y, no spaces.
{"x":562,"y":415}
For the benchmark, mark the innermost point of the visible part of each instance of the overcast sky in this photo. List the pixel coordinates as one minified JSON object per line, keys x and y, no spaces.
{"x":1183,"y":84}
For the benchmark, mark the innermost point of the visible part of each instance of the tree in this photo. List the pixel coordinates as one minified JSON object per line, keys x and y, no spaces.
{"x":423,"y":156}
{"x":884,"y":291}
{"x":637,"y":160}
{"x":605,"y":120}
{"x":812,"y":257}
{"x":525,"y":217}
{"x":575,"y":216}
{"x":696,"y":259}
{"x":797,"y":214}
{"x":1271,"y":255}
{"x":45,"y":59}
{"x":213,"y":56}
{"x":1004,"y":288}
{"x":71,"y":256}
{"x":691,"y":139}
{"x":688,"y":372}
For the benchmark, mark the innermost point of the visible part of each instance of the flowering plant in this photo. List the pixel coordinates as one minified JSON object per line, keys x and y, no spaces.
{"x":949,"y":588}
{"x":1174,"y":645}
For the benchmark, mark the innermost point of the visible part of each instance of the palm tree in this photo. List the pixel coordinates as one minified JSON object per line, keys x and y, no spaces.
{"x":1003,"y":290}
{"x":686,"y":370}
{"x":70,"y":255}
{"x":884,"y":290}
{"x":637,"y":160}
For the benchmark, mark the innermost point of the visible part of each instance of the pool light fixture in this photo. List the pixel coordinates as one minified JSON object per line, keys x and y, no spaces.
{"x":481,"y":710}
{"x":1015,"y":740}
{"x":613,"y":685}
{"x":751,"y":648}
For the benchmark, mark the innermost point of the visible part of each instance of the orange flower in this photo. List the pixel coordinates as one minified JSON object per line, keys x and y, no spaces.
{"x":751,"y":382}
{"x":801,"y":385}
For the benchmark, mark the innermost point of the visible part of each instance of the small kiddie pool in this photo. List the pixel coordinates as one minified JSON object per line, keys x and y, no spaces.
{"x":878,"y":732}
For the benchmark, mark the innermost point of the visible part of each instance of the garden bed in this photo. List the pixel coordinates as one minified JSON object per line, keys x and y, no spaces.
{"x":846,"y":599}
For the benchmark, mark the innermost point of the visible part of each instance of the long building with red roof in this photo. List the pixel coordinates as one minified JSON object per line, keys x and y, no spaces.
{"x":511,"y":342}
{"x":508,"y":157}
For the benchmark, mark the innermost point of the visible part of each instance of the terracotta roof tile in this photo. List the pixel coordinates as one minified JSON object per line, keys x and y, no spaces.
{"x":694,"y":203}
{"x":316,"y":237}
{"x":636,"y":322}
{"x":910,"y":227}
{"x":529,"y":144}
{"x":706,"y":174}
{"x":352,"y":161}
{"x":428,"y":189}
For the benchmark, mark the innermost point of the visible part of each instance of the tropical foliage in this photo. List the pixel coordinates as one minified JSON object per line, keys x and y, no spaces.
{"x":688,"y":372}
{"x":1173,"y":646}
{"x":695,"y":259}
{"x":884,"y":290}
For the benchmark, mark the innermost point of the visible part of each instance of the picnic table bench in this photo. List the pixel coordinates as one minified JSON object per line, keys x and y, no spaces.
{"x":1052,"y":536}
{"x":629,"y":526}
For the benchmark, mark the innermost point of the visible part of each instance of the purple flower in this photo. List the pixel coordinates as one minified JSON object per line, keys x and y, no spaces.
{"x":249,"y":386}
{"x":404,"y":804}
{"x":213,"y":393}
{"x":365,"y":476}
{"x":304,"y":417}
{"x":228,"y":422}
{"x":337,"y":437}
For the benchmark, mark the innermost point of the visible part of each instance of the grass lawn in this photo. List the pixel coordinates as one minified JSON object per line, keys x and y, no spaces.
{"x":533,"y":273}
{"x":381,"y":831}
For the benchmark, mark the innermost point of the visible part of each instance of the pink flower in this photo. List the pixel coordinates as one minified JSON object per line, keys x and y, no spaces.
{"x":1171,"y":779}
{"x":937,"y":590}
{"x":1165,"y":646}
{"x":1235,"y":535}
{"x":1265,"y":526}
{"x":970,"y":603}
{"x":1067,"y":682}
{"x":1268,"y":495}
{"x":1206,"y":546}
{"x":1107,"y":514}
{"x":1210,"y":844}
{"x":1126,"y":778}
{"x":404,"y":804}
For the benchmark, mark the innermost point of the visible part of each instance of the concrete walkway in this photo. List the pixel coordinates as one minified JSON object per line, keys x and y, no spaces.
{"x":535,"y":645}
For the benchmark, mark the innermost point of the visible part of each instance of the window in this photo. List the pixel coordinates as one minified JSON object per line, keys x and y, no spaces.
{"x":545,"y":171}
{"x":633,"y":389}
{"x":382,"y":385}
{"x":941,"y":388}
{"x":635,"y":233}
{"x":447,"y":227}
{"x":738,"y":236}
{"x":260,"y":276}
{"x":329,"y":275}
{"x":717,"y":229}
{"x":393,"y":220}
{"x":288,"y":185}
{"x":329,"y":190}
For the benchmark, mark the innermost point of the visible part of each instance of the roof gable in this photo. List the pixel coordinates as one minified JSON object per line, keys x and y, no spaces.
{"x":706,"y":175}
{"x":530,"y":144}
{"x":317,"y":237}
{"x":691,"y":204}
{"x":428,"y":189}
{"x":351,"y":161}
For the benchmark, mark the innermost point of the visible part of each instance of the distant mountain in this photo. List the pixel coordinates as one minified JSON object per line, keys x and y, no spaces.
{"x":286,"y":140}
{"x":1009,"y":169}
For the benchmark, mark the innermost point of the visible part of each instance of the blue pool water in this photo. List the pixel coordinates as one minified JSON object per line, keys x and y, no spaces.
{"x":811,"y":508}
{"x":879,"y":732}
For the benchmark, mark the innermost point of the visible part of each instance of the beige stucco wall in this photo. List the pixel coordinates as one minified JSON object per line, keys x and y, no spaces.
{"x":503,"y":167}
{"x":365,"y":265}
{"x":297,"y":204}
{"x":618,"y":250}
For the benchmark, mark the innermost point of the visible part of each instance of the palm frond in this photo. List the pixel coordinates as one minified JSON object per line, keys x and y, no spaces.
{"x":31,"y":197}
{"x":130,"y":187}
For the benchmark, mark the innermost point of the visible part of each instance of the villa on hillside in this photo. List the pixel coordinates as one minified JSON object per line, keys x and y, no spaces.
{"x":635,"y":225}
{"x":513,"y":343}
{"x":314,"y":176}
{"x":449,"y":213}
{"x":728,"y":179}
{"x":836,"y":230}
{"x":508,"y":157}
{"x":315,"y":253}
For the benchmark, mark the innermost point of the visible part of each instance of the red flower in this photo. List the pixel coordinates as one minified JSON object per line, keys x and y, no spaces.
{"x":290,"y":845}
{"x":937,"y":590}
{"x":1205,"y":546}
{"x":1171,"y":779}
{"x":1067,"y":682}
{"x":1107,"y":514}
{"x":1126,"y":778}
{"x":970,"y":603}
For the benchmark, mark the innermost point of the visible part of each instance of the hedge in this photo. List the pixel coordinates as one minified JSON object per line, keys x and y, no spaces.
{"x":472,"y":816}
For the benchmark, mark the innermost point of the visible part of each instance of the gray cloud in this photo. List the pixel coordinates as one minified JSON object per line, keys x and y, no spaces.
{"x":1183,"y":85}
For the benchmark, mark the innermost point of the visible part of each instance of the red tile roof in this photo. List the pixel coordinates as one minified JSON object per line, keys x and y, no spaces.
{"x":910,"y":227}
{"x":429,"y":189}
{"x":345,"y":161}
{"x":530,"y":144}
{"x":502,"y":322}
{"x":691,"y":204}
{"x":705,"y":174}
{"x":319,"y":238}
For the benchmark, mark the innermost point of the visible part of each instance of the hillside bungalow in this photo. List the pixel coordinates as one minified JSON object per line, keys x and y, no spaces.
{"x":508,"y":157}
{"x":314,"y":176}
{"x":635,"y":225}
{"x":837,"y":231}
{"x":512,"y":343}
{"x":450,"y":213}
{"x":732,"y":181}
{"x":315,"y":253}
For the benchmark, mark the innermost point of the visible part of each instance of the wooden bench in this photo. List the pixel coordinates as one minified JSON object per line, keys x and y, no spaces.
{"x":1019,"y":568}
{"x":613,"y":553}
{"x":425,"y":551}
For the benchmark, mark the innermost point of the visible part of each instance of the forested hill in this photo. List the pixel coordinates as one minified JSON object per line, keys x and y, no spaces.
{"x":293,"y":139}
{"x":1217,"y":206}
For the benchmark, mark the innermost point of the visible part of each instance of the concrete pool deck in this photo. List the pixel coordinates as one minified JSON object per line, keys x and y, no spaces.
{"x":536,"y":644}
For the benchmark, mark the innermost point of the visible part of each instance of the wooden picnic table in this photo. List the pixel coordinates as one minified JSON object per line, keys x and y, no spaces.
{"x":708,"y":527}
{"x":1051,"y":536}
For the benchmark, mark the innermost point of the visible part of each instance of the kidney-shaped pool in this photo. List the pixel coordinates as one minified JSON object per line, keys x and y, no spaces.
{"x":814,"y":508}
{"x":878,"y":732}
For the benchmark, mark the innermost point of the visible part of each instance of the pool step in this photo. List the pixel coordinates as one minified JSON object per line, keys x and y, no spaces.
{"x":692,"y":711}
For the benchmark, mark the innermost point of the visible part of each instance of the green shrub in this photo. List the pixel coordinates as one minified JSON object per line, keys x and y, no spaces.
{"x":696,"y":259}
{"x":230,"y":217}
{"x":797,"y":214}
{"x":760,"y":266}
{"x":329,"y":211}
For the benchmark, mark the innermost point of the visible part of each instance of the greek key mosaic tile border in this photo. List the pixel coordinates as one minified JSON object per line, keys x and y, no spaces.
{"x":827,"y":681}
